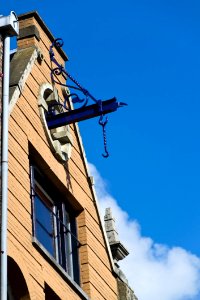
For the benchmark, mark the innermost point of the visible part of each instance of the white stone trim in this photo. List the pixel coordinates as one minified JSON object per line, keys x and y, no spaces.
{"x":20,"y":86}
{"x":60,"y":139}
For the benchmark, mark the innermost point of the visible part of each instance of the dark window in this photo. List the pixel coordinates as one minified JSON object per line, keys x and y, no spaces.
{"x":54,"y":223}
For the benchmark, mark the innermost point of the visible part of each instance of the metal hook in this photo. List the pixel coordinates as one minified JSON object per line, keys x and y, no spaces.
{"x":101,"y":122}
{"x":106,"y":151}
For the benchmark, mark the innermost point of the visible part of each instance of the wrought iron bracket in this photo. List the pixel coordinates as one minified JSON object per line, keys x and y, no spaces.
{"x":84,"y":112}
{"x":80,"y":114}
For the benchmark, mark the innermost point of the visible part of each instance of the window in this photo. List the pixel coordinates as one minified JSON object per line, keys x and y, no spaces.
{"x":54,"y":223}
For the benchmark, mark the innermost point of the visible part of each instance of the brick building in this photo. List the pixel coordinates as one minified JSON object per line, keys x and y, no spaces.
{"x":57,"y":245}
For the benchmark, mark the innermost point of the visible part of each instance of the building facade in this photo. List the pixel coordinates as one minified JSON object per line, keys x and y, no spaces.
{"x":57,"y":244}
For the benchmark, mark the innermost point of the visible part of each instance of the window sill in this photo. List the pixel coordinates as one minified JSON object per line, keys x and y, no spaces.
{"x":60,"y":270}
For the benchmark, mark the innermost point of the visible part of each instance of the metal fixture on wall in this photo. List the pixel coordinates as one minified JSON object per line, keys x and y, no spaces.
{"x":84,"y":112}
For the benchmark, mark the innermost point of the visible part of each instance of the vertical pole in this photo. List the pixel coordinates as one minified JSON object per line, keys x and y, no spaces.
{"x":1,"y":81}
{"x":4,"y":166}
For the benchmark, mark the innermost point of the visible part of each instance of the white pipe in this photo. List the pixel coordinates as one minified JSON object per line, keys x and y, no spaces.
{"x":4,"y":166}
{"x":8,"y":27}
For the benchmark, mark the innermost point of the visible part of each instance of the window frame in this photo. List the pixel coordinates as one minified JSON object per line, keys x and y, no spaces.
{"x":64,"y":233}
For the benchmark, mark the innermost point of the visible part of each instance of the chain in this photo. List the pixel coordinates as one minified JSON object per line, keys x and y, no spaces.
{"x":85,"y":92}
{"x":103,"y":124}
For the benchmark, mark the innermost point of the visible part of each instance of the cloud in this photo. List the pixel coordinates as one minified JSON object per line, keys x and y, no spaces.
{"x":154,"y":271}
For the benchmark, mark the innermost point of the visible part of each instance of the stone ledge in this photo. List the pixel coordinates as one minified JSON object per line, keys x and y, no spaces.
{"x":29,"y":31}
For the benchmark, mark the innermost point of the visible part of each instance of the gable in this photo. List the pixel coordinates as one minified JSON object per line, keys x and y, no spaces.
{"x":28,"y":138}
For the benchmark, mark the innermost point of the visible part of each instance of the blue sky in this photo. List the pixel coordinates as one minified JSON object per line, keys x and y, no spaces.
{"x":147,"y":54}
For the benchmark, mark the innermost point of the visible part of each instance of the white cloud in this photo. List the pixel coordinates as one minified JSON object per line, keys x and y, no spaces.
{"x":155,"y":271}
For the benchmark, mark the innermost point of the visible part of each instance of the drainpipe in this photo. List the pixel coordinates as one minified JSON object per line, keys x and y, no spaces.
{"x":8,"y":28}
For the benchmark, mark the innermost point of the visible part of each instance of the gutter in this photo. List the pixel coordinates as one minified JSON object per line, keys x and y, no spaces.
{"x":8,"y":28}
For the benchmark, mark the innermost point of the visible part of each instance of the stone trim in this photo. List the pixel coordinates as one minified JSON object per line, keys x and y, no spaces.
{"x":124,"y":291}
{"x":17,"y":85}
{"x":60,"y":139}
{"x":29,"y":31}
{"x":118,"y":250}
